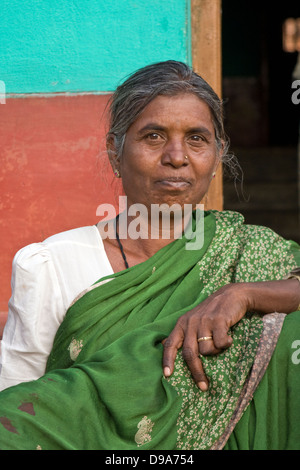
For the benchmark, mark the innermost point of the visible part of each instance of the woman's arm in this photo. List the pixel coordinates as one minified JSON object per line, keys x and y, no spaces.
{"x":214,"y":317}
{"x":35,"y":312}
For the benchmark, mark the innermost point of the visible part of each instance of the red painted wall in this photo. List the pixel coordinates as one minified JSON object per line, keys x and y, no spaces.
{"x":54,"y":172}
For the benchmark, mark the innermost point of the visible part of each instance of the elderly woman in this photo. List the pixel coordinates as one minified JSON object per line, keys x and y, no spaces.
{"x":168,"y":344}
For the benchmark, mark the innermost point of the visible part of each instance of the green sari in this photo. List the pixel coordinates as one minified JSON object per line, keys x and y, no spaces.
{"x":104,"y":387}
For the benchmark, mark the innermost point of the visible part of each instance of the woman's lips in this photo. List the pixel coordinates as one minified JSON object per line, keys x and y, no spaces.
{"x":174,"y":182}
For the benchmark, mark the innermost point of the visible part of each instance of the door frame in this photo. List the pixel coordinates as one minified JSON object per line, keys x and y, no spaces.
{"x":207,"y":62}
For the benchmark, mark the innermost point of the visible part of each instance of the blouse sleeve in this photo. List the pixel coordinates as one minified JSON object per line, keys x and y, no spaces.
{"x":36,"y":310}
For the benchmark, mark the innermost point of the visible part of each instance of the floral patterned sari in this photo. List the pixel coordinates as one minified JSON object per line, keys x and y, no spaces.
{"x":104,"y":387}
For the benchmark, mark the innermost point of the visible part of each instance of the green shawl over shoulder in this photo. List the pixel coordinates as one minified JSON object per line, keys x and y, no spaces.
{"x":104,"y":387}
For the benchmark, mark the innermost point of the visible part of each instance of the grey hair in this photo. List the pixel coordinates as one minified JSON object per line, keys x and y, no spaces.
{"x":167,"y":78}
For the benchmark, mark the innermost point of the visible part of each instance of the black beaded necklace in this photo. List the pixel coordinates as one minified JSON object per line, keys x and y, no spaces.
{"x":120,"y":244}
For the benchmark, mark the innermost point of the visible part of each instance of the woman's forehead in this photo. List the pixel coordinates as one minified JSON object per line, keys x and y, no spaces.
{"x":180,"y":108}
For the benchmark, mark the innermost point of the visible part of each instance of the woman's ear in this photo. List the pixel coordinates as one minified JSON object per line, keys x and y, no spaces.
{"x":112,"y":154}
{"x":219,"y":156}
{"x":216,"y":165}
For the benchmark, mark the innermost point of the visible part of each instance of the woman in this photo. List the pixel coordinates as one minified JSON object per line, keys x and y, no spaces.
{"x":140,"y":300}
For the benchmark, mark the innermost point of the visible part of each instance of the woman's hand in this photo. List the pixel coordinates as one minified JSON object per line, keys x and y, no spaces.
{"x":217,"y":314}
{"x":212,"y":318}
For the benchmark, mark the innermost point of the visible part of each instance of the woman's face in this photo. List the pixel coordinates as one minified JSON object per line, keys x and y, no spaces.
{"x":153,"y":166}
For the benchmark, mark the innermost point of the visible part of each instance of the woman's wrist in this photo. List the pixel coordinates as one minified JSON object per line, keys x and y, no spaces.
{"x":270,"y":296}
{"x":295,"y":274}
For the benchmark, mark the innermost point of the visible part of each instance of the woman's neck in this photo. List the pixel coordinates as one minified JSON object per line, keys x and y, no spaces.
{"x":140,"y":237}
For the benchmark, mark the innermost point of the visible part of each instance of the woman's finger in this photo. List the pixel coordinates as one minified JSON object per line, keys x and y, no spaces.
{"x":171,"y":346}
{"x":194,"y":363}
{"x":222,"y":339}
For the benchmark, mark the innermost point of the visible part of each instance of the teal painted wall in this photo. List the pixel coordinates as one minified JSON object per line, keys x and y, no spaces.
{"x":51,"y":46}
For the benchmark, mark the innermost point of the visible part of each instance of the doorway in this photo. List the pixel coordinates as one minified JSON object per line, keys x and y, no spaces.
{"x":261,"y":119}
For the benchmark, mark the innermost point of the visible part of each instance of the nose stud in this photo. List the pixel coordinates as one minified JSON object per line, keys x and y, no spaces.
{"x":186,"y":157}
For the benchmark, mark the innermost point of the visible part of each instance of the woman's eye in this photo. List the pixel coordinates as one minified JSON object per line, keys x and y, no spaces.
{"x":153,"y":136}
{"x":196,"y":138}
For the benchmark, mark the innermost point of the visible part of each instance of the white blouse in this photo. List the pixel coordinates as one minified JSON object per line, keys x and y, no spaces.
{"x":46,"y":278}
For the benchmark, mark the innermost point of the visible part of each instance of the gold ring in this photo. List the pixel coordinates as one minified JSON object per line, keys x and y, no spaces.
{"x":204,"y":338}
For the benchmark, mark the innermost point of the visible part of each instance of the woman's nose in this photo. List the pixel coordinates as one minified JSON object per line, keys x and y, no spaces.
{"x":174,"y":155}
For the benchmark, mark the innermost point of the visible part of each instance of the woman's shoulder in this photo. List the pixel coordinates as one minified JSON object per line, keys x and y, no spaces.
{"x":233,"y":218}
{"x":62,"y":246}
{"x":254,"y":235}
{"x":72,"y":260}
{"x":232,"y":223}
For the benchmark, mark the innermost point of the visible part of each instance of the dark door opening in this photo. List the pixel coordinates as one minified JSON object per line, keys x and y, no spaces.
{"x":261,"y":119}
